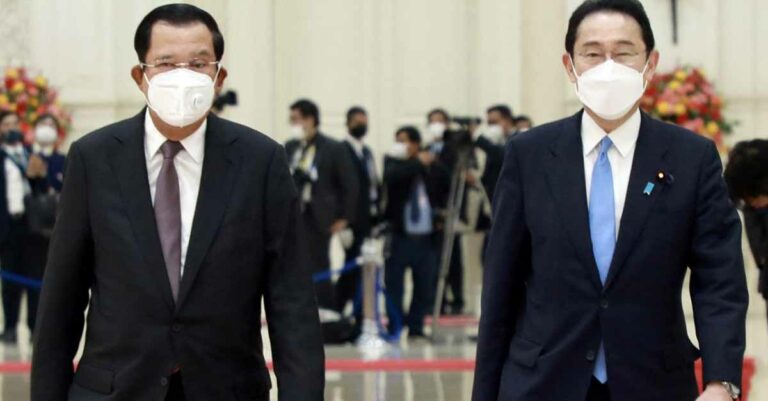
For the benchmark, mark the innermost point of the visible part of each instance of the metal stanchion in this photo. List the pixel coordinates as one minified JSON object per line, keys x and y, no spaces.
{"x":370,"y":341}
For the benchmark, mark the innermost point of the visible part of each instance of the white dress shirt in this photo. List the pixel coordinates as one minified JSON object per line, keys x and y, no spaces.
{"x":189,"y":168}
{"x":16,"y":184}
{"x":621,"y":155}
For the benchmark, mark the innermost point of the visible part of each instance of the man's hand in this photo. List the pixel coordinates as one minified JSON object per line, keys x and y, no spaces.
{"x":338,"y":226}
{"x":471,"y":180}
{"x":715,"y":392}
{"x":426,"y":158}
{"x":37,"y":167}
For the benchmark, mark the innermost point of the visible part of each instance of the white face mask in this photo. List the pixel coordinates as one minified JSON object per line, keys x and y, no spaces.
{"x":180,"y":96}
{"x":399,"y":150}
{"x":494,"y":132}
{"x":611,"y":89}
{"x":436,"y":131}
{"x":45,"y":135}
{"x":297,"y":130}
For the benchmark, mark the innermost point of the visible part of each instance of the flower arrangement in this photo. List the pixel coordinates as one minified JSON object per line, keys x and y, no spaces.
{"x":31,"y":97}
{"x":687,"y":98}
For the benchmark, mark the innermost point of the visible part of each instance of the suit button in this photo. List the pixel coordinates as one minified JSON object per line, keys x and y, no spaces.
{"x":591,"y":355}
{"x":164,"y":381}
{"x":176,"y":328}
{"x":604,"y":304}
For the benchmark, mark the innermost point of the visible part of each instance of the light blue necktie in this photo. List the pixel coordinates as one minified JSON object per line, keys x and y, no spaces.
{"x":602,"y":223}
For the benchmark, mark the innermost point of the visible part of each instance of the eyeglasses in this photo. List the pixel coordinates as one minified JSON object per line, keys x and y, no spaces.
{"x":205,"y":67}
{"x":628,"y":58}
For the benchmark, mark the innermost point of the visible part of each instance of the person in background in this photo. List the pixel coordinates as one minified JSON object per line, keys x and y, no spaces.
{"x":368,"y":203}
{"x":323,"y":171}
{"x":46,"y":176}
{"x":46,"y":155}
{"x":440,"y":143}
{"x":15,"y":187}
{"x":747,"y":179}
{"x":501,"y":124}
{"x":438,"y":124}
{"x":523,"y":123}
{"x":416,"y":184}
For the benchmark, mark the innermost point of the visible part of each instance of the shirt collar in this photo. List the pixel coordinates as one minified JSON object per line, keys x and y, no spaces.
{"x":357,"y":144}
{"x":194,"y":144}
{"x":624,"y":138}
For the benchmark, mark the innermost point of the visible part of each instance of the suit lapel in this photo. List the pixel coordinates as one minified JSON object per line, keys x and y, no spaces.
{"x":649,"y":159}
{"x":566,"y":180}
{"x":130,"y":167}
{"x":219,"y":165}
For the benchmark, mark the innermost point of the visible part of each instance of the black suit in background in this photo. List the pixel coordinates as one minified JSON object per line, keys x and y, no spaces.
{"x":334,"y":193}
{"x":419,"y":252}
{"x":240,"y":252}
{"x":756,"y":225}
{"x":15,"y":257}
{"x":544,"y":308}
{"x":367,"y":211}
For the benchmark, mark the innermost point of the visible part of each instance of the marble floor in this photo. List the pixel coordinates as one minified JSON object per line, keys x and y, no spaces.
{"x":446,"y":376}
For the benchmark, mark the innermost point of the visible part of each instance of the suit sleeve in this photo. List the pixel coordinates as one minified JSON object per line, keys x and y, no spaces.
{"x":289,"y":300}
{"x":506,"y":269}
{"x":718,"y":283}
{"x":349,"y":186}
{"x":64,"y":295}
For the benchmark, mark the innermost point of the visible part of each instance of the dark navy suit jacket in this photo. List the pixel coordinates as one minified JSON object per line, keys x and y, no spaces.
{"x":544,"y":309}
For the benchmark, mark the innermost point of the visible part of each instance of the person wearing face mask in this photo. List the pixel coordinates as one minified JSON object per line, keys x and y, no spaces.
{"x":501,"y":124}
{"x":597,"y":220}
{"x":368,"y":203}
{"x":45,"y":172}
{"x":523,"y":123}
{"x":178,"y":224}
{"x":442,"y":143}
{"x":14,"y":230}
{"x":417,"y":185}
{"x":323,"y":171}
{"x":747,"y":179}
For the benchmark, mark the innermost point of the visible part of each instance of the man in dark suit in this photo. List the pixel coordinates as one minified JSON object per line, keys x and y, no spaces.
{"x":323,"y":171}
{"x":597,"y":218}
{"x":417,"y":184}
{"x":368,"y":199}
{"x":176,"y":279}
{"x":747,"y":178}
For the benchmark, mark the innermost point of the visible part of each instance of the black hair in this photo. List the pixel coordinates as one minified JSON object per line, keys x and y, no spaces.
{"x":48,"y":116}
{"x":353,"y":111}
{"x":747,"y":170}
{"x":412,"y":133}
{"x":632,"y":8}
{"x":307,"y":108}
{"x":504,"y":110}
{"x":177,"y":15}
{"x":522,"y":118}
{"x":439,"y":111}
{"x":5,"y":113}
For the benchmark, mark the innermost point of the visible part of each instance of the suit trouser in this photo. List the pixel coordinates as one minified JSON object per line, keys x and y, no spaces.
{"x":348,"y":285}
{"x":314,"y":250}
{"x":455,"y":279}
{"x":13,"y":255}
{"x":175,"y":389}
{"x":598,"y":391}
{"x":420,"y":254}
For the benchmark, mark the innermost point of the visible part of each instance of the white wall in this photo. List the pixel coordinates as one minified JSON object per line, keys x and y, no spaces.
{"x":398,"y":58}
